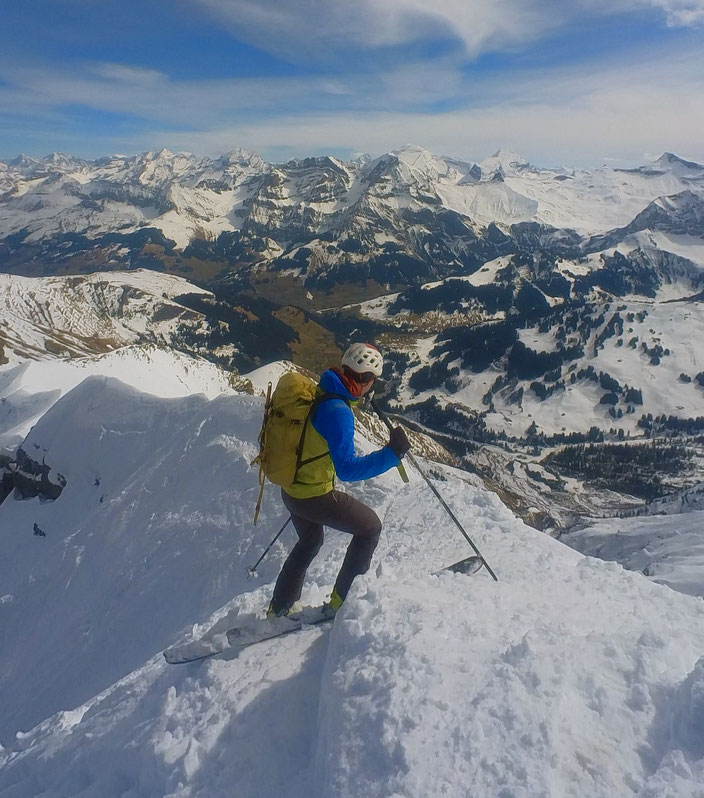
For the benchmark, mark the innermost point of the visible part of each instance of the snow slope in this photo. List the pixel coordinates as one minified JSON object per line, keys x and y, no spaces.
{"x":675,"y":326}
{"x":569,"y":677}
{"x":667,"y":548}
{"x":82,"y":315}
{"x":29,"y":389}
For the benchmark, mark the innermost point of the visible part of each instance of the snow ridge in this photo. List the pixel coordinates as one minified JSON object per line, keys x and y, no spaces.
{"x":568,"y":677}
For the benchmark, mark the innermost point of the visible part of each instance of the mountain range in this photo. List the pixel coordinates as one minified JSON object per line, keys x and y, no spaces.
{"x":522,"y":309}
{"x":397,"y":218}
{"x":541,"y":335}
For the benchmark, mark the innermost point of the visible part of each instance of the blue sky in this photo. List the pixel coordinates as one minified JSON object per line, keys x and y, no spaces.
{"x":579,"y":83}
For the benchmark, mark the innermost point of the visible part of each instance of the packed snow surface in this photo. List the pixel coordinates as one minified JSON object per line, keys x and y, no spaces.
{"x":568,"y":677}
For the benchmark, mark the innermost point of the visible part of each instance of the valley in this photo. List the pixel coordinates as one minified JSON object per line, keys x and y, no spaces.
{"x":534,"y":321}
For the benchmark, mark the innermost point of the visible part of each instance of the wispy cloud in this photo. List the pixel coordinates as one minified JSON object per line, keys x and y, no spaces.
{"x":682,"y":12}
{"x":154,"y":96}
{"x":619,"y":105}
{"x":125,"y":74}
{"x":617,"y":124}
{"x":572,"y":116}
{"x":313,"y":29}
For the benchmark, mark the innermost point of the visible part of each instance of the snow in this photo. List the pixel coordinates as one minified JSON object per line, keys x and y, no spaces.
{"x":512,"y":692}
{"x":591,"y":202}
{"x":483,"y":276}
{"x":187,"y":197}
{"x":691,"y":247}
{"x":44,"y":317}
{"x":667,"y":548}
{"x":261,"y":377}
{"x":487,"y":273}
{"x":489,"y":202}
{"x":568,"y":677}
{"x":676,"y":326}
{"x":29,"y":389}
{"x":376,"y":308}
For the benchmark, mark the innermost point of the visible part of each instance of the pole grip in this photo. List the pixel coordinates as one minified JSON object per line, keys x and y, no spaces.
{"x":375,"y":406}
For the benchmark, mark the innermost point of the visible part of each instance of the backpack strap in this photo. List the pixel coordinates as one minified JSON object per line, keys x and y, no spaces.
{"x":323,"y":398}
{"x":310,"y":418}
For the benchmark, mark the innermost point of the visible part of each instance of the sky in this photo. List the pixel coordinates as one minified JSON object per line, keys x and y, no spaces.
{"x":583,"y":83}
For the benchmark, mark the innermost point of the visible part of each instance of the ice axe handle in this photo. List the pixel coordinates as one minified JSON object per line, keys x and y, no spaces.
{"x":382,"y":416}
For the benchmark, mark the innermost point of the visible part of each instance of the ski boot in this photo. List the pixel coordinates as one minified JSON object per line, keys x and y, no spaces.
{"x":283,"y":612}
{"x":334,"y":604}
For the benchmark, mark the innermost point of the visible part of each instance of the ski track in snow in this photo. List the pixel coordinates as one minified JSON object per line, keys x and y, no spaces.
{"x":569,"y":677}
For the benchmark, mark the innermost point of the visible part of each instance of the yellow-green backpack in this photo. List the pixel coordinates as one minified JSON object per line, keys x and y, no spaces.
{"x":286,"y":413}
{"x":284,"y":418}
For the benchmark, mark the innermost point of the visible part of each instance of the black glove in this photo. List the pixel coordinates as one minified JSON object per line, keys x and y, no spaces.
{"x":398,"y":442}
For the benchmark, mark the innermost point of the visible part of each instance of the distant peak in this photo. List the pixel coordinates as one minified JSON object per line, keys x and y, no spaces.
{"x":670,"y":159}
{"x":23,"y":160}
{"x":60,"y":159}
{"x":241,"y":156}
{"x":411,"y":153}
{"x":161,"y":155}
{"x":411,"y":148}
{"x":509,"y":159}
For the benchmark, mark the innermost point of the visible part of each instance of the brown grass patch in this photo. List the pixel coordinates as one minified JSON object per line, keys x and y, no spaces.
{"x":315,"y":349}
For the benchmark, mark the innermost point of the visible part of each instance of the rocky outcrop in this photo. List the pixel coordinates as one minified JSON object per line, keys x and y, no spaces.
{"x":28,"y":478}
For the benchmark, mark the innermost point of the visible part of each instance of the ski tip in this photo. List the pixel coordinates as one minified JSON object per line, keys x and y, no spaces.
{"x":173,"y":659}
{"x":194,"y":651}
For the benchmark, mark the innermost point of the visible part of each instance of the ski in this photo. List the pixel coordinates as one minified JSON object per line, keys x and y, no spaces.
{"x":259,"y":629}
{"x":252,"y":629}
{"x":197,"y":650}
{"x":249,"y":630}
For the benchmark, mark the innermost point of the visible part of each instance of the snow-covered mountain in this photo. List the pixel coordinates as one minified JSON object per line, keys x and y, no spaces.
{"x":568,"y":677}
{"x":90,"y":314}
{"x":408,"y":209}
{"x":519,"y":306}
{"x":60,"y":318}
{"x":667,"y":548}
{"x":30,"y":388}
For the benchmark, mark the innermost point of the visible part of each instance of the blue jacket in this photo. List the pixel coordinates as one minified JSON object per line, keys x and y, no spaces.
{"x":335,"y":422}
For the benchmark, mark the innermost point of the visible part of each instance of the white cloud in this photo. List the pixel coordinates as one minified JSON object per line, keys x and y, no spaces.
{"x":122,"y":73}
{"x":316,"y":29}
{"x":151,"y":95}
{"x":577,"y":115}
{"x":574,"y":117}
{"x":682,"y":12}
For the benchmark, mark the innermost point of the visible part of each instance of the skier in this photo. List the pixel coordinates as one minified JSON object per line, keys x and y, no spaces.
{"x":326,"y":451}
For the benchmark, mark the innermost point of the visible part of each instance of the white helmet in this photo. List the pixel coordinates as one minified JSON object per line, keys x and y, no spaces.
{"x":364,"y":357}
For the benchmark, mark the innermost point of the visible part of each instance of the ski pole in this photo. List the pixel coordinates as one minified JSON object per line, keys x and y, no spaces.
{"x":400,"y":467}
{"x":253,"y":570}
{"x":384,"y":418}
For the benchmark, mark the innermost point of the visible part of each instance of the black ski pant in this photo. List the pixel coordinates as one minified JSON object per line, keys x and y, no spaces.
{"x":338,"y":511}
